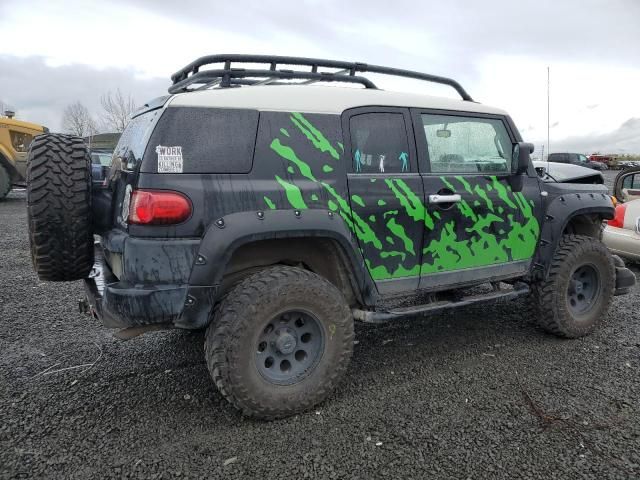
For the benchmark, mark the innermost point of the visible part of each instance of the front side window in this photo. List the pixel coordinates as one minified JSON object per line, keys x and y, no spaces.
{"x":379,"y":143}
{"x":466,"y":144}
{"x":582,"y":158}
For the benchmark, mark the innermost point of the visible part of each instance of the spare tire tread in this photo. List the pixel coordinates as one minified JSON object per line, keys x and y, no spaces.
{"x":59,"y":207}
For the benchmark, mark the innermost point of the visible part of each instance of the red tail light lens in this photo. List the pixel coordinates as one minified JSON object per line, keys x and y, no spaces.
{"x":155,"y":207}
{"x":618,"y":219}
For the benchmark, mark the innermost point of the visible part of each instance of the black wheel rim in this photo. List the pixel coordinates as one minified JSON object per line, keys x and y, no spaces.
{"x":583,"y":289}
{"x":289,"y":347}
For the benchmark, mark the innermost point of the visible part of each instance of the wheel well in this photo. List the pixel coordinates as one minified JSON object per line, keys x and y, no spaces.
{"x":589,"y":225}
{"x":322,"y":256}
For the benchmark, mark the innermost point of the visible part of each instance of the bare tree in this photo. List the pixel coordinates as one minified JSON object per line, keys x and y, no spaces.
{"x":117,"y":110}
{"x":77,"y":120}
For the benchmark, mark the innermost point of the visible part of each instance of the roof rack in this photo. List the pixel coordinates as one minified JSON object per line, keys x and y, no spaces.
{"x":227,"y":76}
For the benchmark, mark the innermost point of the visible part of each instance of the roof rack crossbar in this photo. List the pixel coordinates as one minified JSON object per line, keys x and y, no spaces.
{"x":191,"y":73}
{"x":207,"y":76}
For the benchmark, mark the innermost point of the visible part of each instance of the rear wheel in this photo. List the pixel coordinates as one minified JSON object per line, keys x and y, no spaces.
{"x":578,"y":290}
{"x":5,"y":182}
{"x":59,"y":207}
{"x":279,"y":342}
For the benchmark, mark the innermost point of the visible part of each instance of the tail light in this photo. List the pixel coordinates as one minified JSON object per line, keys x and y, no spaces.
{"x":158,"y":207}
{"x":618,"y":219}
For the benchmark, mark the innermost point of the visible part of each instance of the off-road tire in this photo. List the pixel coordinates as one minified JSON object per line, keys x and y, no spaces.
{"x":549,"y":299}
{"x":625,"y":171}
{"x":241,"y":316}
{"x":5,"y":182}
{"x":59,"y":207}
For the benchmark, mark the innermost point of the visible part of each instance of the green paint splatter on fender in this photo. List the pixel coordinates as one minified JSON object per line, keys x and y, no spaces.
{"x":381,"y":203}
{"x":294,"y":195}
{"x":327,"y":169}
{"x":269,"y":203}
{"x":284,"y":132}
{"x":314,"y":197}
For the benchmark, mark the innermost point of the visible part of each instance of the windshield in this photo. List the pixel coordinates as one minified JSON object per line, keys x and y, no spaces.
{"x":103,"y":159}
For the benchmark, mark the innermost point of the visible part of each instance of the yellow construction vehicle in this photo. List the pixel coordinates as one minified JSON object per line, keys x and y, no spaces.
{"x":15,"y":138}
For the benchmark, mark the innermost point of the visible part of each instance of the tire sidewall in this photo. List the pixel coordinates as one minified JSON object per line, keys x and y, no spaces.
{"x":598,"y":258}
{"x":328,"y":307}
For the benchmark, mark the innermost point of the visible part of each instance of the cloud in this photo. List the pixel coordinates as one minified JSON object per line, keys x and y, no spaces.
{"x":624,"y":139}
{"x":39,"y":92}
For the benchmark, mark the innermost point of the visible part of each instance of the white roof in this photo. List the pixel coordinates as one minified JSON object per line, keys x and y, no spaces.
{"x":318,"y":99}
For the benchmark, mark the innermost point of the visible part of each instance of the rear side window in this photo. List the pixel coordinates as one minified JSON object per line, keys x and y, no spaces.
{"x":379,"y":143}
{"x":202,"y":140}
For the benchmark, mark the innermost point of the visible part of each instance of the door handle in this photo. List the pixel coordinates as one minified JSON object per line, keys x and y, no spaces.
{"x":444,"y":198}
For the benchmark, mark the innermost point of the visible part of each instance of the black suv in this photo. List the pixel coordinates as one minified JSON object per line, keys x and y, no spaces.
{"x":576,"y":159}
{"x":273,"y":212}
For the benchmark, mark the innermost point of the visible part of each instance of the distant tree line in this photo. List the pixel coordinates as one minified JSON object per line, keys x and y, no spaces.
{"x":113,"y":117}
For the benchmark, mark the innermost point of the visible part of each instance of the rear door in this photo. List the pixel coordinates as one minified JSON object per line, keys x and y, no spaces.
{"x":477,"y":228}
{"x":386,"y":195}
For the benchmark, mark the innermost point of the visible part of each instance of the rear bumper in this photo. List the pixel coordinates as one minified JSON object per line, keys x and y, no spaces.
{"x":625,"y":278}
{"x":122,"y":304}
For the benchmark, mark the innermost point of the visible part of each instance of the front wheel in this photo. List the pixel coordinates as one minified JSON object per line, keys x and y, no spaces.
{"x":279,"y":342}
{"x":578,"y":290}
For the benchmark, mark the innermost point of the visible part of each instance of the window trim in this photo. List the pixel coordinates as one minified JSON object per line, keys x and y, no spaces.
{"x":414,"y":163}
{"x":421,"y":138}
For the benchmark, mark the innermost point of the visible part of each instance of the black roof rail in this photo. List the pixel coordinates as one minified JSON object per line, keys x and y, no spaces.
{"x":229,"y":76}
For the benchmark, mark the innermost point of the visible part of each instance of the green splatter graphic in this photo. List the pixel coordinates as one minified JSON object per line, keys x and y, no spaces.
{"x":358,"y":200}
{"x":479,"y":245}
{"x":314,"y":135}
{"x":270,"y":204}
{"x":294,"y":195}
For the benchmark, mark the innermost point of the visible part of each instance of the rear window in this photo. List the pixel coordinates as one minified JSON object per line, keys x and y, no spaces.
{"x":133,"y":140}
{"x":202,"y":140}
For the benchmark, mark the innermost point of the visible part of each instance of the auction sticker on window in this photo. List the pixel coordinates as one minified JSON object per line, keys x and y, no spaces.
{"x":169,"y":159}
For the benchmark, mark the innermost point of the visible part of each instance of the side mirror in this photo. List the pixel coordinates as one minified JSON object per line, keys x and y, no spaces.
{"x":520,"y":158}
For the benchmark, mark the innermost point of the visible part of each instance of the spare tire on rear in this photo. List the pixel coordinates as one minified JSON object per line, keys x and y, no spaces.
{"x":59,"y":207}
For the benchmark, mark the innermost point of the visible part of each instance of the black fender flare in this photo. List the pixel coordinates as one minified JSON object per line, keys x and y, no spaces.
{"x":228,"y":233}
{"x":559,"y":212}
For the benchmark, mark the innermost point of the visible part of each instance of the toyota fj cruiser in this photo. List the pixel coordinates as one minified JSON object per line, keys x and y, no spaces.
{"x":273,"y":213}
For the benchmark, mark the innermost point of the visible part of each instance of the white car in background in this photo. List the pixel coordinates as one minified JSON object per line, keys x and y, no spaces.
{"x":622,"y":233}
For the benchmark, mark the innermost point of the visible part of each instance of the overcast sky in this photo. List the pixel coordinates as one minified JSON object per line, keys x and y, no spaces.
{"x":55,"y":53}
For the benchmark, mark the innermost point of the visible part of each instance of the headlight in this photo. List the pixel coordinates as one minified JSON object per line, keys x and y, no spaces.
{"x":20,"y":141}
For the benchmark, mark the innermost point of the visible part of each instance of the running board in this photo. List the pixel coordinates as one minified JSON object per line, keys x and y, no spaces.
{"x":499,"y":296}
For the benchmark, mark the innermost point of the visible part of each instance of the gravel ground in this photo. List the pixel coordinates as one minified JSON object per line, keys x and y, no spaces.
{"x":479,"y":393}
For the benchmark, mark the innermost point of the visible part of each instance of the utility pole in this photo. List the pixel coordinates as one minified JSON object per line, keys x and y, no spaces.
{"x":548,"y":128}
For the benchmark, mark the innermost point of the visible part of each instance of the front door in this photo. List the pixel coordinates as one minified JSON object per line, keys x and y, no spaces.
{"x":477,"y":228}
{"x":386,"y":195}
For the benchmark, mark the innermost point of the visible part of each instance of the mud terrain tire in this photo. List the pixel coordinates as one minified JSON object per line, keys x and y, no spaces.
{"x":235,"y":346}
{"x":59,"y":207}
{"x":578,"y":290}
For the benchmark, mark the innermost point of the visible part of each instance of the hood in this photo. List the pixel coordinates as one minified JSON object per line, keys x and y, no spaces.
{"x":567,"y":173}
